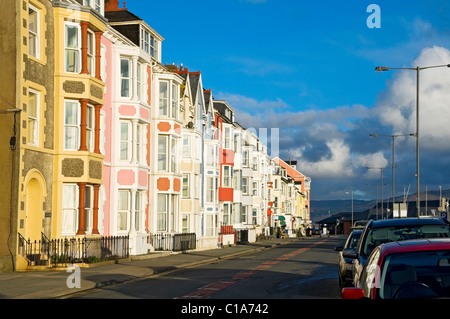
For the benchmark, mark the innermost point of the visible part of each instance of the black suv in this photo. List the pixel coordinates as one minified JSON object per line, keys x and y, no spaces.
{"x":388,"y":230}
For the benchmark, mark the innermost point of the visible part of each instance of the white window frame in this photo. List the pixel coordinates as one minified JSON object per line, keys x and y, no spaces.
{"x":255,"y":188}
{"x":126,"y":78}
{"x":75,"y":126}
{"x":77,"y":49}
{"x":227,"y":177}
{"x":33,"y":121}
{"x":186,"y":143}
{"x":34,"y":36}
{"x":69,"y":209}
{"x":123,"y":212}
{"x":154,"y":47}
{"x":228,"y":138}
{"x":211,"y":183}
{"x":186,"y":183}
{"x":227,"y":213}
{"x":245,"y":185}
{"x":90,"y":127}
{"x":163,"y":110}
{"x":91,"y":52}
{"x":125,"y":141}
{"x":88,"y":208}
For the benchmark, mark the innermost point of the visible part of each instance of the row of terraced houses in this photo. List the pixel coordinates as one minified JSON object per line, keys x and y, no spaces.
{"x":100,"y":139}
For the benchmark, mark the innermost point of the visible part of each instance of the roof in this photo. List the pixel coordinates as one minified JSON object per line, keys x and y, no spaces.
{"x":415,"y":245}
{"x":292,"y":172}
{"x":407,"y":221}
{"x":121,"y":16}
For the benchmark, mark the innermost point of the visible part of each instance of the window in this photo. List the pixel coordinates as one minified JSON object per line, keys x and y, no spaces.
{"x":88,"y":207}
{"x":174,"y":113}
{"x":72,"y":48}
{"x":69,"y":209}
{"x":145,"y":44}
{"x":162,"y":153}
{"x":255,"y":188}
{"x":149,"y":44}
{"x":245,"y":158}
{"x":255,"y":163}
{"x":162,"y":212}
{"x":227,"y":175}
{"x":90,"y":52}
{"x":167,"y":153}
{"x":163,"y":98}
{"x":254,"y":216}
{"x":243,"y":217}
{"x":139,"y":210}
{"x":245,"y":185}
{"x":185,"y":224}
{"x":71,"y":125}
{"x":210,"y":155}
{"x":139,"y":81}
{"x":227,"y":213}
{"x":33,"y":117}
{"x":123,"y":209}
{"x":94,"y":4}
{"x":125,"y":140}
{"x":185,"y":190}
{"x":166,"y":208}
{"x":211,"y":190}
{"x":210,"y":225}
{"x":153,"y":47}
{"x":125,"y":77}
{"x":227,"y":138}
{"x":141,"y":149}
{"x":186,"y":141}
{"x":90,"y":128}
{"x":237,"y":177}
{"x":33,"y":31}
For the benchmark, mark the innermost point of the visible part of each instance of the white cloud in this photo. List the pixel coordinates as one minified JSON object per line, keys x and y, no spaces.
{"x":397,"y":106}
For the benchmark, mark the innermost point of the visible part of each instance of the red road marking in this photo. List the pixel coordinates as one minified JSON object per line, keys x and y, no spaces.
{"x":220,"y":285}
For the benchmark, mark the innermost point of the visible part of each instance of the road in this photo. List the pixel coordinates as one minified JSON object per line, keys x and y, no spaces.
{"x":305,"y":269}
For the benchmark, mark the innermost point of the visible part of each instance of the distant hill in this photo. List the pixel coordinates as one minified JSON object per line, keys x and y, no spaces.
{"x":321,"y":209}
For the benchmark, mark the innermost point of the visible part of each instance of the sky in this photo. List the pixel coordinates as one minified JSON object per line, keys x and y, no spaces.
{"x":307,"y":68}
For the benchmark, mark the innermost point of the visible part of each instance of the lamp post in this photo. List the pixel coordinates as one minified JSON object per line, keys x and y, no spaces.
{"x":381,"y":170}
{"x":417,"y":69}
{"x":352,"y":206}
{"x":393,"y":160}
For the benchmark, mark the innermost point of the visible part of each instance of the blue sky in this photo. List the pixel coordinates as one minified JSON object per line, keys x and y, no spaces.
{"x":307,"y":68}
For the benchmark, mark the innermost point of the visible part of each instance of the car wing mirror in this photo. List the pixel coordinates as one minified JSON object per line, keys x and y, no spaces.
{"x":339,"y":248}
{"x":350,"y":253}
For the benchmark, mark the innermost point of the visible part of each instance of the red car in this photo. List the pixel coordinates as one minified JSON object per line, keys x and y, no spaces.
{"x":418,"y":269}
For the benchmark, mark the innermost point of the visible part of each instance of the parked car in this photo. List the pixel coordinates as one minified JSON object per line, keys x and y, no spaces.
{"x":409,"y":269}
{"x":388,"y":230}
{"x":346,"y":264}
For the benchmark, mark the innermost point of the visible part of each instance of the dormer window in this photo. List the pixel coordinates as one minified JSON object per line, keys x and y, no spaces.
{"x":94,"y":4}
{"x":149,"y":43}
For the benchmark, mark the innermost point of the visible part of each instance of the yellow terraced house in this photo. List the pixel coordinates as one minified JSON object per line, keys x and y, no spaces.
{"x":79,"y":94}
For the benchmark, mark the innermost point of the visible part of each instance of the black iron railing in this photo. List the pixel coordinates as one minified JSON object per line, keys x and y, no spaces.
{"x":63,"y":251}
{"x":173,"y":242}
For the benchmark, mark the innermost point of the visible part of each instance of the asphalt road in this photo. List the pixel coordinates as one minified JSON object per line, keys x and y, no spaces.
{"x":300,"y":270}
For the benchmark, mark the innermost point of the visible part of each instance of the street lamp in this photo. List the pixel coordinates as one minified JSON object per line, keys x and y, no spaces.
{"x":381,"y":170}
{"x":393,"y":160}
{"x":417,"y":69}
{"x":352,"y":206}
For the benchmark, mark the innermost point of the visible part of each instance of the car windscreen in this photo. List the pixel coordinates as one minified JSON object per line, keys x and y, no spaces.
{"x":353,"y":240}
{"x":378,"y":236}
{"x":418,"y":274}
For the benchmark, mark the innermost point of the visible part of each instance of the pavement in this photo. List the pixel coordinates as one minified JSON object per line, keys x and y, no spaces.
{"x":67,"y":282}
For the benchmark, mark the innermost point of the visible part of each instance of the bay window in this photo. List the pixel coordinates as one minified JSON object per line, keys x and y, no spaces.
{"x":125,"y":77}
{"x":125,"y":141}
{"x":185,"y":189}
{"x":166,"y":208}
{"x":163,"y":98}
{"x":72,"y":47}
{"x":90,"y":128}
{"x":90,"y":52}
{"x":123,"y":209}
{"x":227,"y":175}
{"x":71,"y":125}
{"x":167,"y":153}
